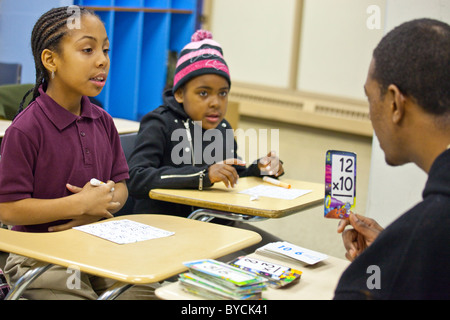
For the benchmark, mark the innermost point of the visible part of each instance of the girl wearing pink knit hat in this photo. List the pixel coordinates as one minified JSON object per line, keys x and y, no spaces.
{"x":168,"y":153}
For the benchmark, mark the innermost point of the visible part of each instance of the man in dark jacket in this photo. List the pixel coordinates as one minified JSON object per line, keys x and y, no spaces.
{"x":408,"y":89}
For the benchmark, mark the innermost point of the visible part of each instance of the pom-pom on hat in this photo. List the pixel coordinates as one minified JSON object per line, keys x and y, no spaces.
{"x":202,"y":56}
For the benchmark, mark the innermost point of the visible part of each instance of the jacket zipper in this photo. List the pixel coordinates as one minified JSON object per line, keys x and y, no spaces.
{"x":188,"y":132}
{"x":200,"y":174}
{"x":169,"y":176}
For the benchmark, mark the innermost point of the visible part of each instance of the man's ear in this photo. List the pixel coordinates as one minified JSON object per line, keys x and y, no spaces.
{"x":49,"y":60}
{"x":179,"y":96}
{"x":397,"y":103}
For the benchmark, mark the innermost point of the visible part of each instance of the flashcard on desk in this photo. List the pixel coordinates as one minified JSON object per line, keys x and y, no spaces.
{"x":340,"y":184}
{"x":277,"y":275}
{"x":124,"y":231}
{"x":285,"y":249}
{"x":275,"y":192}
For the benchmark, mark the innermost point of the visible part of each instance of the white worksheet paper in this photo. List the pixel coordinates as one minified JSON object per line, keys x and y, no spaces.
{"x":124,"y":231}
{"x":275,"y":192}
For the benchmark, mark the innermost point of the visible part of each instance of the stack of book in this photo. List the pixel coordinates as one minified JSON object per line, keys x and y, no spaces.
{"x":212,"y":279}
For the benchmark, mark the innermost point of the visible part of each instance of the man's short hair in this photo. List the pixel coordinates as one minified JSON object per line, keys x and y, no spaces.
{"x":415,"y":57}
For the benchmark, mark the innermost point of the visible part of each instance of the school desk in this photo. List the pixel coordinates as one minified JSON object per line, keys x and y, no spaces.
{"x":228,"y":203}
{"x":126,"y":126}
{"x":123,"y":126}
{"x":4,"y":124}
{"x":317,"y":282}
{"x":141,"y":262}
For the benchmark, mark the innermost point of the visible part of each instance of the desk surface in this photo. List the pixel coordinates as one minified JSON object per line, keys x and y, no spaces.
{"x":4,"y":124}
{"x":318,"y":282}
{"x":136,"y":263}
{"x":123,"y":126}
{"x":126,"y":126}
{"x":230,"y":200}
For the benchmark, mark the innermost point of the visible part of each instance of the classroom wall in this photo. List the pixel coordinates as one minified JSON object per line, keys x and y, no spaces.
{"x":335,"y":42}
{"x":336,"y":46}
{"x":394,"y":190}
{"x":257,"y":38}
{"x":17,"y":18}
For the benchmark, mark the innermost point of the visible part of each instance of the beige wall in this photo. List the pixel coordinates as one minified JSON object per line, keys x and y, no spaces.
{"x":259,"y":39}
{"x":336,"y":46}
{"x":256,"y":36}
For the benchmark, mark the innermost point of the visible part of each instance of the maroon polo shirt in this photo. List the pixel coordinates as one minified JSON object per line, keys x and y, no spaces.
{"x":46,"y":147}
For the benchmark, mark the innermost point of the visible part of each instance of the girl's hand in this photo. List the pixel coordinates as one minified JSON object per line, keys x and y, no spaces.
{"x":97,"y":200}
{"x":223,"y":171}
{"x":96,"y":203}
{"x":271,"y":165}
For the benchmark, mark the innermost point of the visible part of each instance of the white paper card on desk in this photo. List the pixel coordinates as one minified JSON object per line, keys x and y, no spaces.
{"x":124,"y":231}
{"x":288,"y":250}
{"x":275,"y":192}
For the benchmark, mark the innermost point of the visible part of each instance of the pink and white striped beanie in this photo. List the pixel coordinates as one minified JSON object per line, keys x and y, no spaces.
{"x":202,"y":56}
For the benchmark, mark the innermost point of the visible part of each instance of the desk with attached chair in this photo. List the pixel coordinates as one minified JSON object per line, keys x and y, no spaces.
{"x":229,"y":203}
{"x":141,"y":262}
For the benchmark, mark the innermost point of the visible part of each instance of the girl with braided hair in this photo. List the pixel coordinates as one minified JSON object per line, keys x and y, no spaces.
{"x":58,"y":143}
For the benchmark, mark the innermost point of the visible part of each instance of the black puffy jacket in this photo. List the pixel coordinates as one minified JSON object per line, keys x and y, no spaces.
{"x":171,"y":151}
